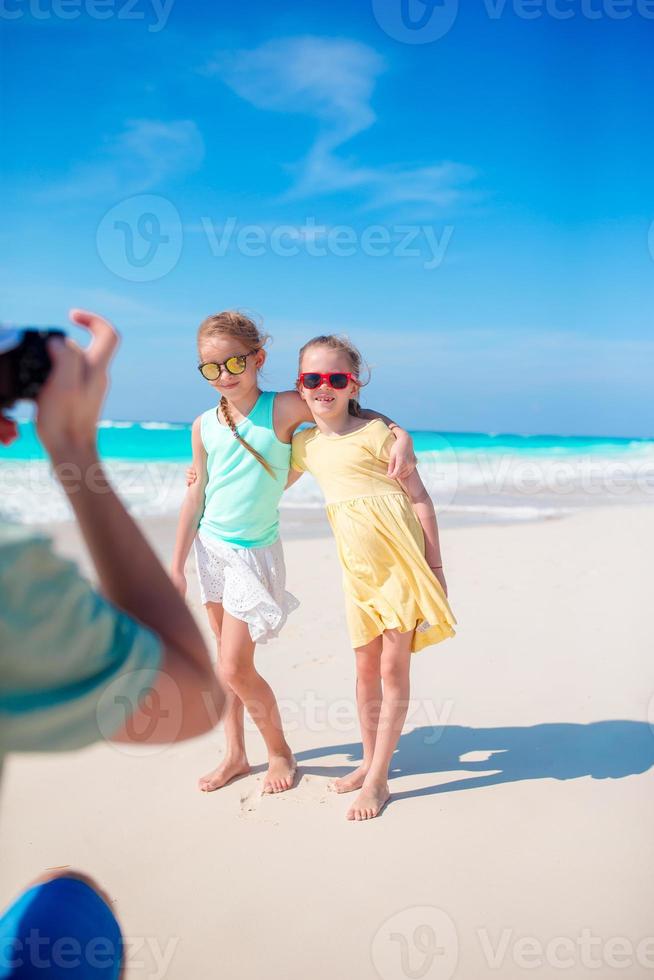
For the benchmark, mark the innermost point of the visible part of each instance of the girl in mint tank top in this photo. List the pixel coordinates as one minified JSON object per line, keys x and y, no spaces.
{"x":230,"y":515}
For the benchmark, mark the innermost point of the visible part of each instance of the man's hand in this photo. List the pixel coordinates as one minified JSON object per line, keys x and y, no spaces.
{"x":402,"y":462}
{"x":69,"y":403}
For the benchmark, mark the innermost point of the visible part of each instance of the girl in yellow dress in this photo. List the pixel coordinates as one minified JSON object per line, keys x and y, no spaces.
{"x":387,"y":540}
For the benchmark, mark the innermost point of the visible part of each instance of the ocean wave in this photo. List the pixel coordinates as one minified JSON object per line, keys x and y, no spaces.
{"x":29,"y":494}
{"x":498,"y":475}
{"x":510,"y":487}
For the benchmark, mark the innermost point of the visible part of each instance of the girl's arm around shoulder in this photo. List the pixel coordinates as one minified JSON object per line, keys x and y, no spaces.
{"x":298,"y":455}
{"x":192,"y":508}
{"x":426,"y":514}
{"x":293,"y":477}
{"x":290,"y":411}
{"x":402,"y":460}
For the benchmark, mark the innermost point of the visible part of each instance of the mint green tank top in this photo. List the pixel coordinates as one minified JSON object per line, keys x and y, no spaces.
{"x":241,"y":501}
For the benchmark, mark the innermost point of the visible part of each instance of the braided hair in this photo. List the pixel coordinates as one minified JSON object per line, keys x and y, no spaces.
{"x":232,"y":323}
{"x":224,"y":408}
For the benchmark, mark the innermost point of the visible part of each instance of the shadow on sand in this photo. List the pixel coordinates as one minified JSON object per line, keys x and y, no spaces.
{"x":601,"y":749}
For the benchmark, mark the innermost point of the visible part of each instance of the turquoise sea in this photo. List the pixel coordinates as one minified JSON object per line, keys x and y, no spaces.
{"x":471,"y":476}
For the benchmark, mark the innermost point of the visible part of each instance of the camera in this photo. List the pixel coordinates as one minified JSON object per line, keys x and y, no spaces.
{"x":24,"y":361}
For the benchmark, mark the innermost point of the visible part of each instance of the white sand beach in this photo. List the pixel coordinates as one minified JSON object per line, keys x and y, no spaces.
{"x":519,"y":835}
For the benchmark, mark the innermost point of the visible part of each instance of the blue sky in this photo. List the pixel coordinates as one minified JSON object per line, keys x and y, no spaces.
{"x":473,"y":211}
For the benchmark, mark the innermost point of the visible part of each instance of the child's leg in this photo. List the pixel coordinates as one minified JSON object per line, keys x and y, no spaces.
{"x":395,"y":663}
{"x":237,"y":665}
{"x":235,"y":762}
{"x":369,"y":696}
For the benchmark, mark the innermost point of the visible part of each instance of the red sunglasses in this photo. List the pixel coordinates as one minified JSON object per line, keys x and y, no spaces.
{"x":336,"y":379}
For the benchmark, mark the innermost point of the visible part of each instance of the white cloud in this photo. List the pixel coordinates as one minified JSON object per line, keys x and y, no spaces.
{"x":333,"y":81}
{"x":144,"y":155}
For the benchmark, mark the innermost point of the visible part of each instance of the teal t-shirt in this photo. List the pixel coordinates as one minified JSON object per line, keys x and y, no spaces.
{"x":70,"y":661}
{"x":241,"y":501}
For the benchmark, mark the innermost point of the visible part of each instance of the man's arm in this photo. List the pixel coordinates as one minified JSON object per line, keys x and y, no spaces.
{"x":129,"y":572}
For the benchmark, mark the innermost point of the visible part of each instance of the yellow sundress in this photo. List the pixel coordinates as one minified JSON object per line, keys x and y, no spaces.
{"x":381,"y":546}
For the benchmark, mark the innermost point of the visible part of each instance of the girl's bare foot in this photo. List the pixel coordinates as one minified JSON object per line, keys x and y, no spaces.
{"x":369,"y":802}
{"x":227,"y":770}
{"x":350,"y":782}
{"x":281,"y":774}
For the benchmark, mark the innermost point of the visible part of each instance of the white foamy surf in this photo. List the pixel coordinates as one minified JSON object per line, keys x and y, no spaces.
{"x":496,"y":487}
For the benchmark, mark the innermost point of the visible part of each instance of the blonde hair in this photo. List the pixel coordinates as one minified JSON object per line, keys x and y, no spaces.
{"x":232,"y":323}
{"x":344,"y":345}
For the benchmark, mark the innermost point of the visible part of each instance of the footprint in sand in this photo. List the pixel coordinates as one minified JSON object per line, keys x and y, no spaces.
{"x":253,"y":798}
{"x":307,"y":789}
{"x":312,"y":661}
{"x":250,"y":800}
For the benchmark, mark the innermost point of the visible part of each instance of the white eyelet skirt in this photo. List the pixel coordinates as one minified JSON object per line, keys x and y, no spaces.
{"x":249,"y":582}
